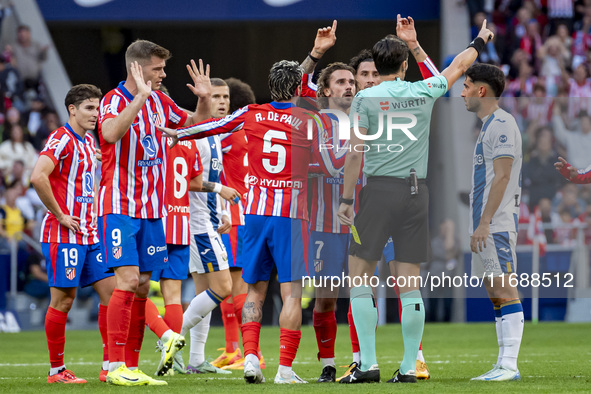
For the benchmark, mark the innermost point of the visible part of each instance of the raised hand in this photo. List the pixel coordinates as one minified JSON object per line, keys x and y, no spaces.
{"x":325,"y":39}
{"x":143,"y":89}
{"x":405,"y":29}
{"x":486,"y":34}
{"x":201,"y":84}
{"x":562,"y":163}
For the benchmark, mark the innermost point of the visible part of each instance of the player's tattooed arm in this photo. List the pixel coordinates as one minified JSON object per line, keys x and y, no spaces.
{"x":208,"y":187}
{"x":252,"y":312}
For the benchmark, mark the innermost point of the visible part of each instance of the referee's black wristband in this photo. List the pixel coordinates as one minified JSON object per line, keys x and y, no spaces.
{"x":314,"y":59}
{"x":478,"y":44}
{"x":348,"y":201}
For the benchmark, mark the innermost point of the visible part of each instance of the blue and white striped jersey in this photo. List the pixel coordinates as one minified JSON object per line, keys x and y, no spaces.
{"x":499,"y":137}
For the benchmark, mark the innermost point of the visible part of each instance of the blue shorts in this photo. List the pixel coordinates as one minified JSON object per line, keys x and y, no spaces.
{"x":328,"y":254}
{"x":178,"y":263}
{"x":233,"y":243}
{"x":131,"y":241}
{"x":389,"y":251}
{"x":275,"y":240}
{"x":72,"y":265}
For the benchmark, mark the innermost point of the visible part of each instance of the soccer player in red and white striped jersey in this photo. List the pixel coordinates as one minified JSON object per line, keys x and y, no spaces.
{"x":64,"y":180}
{"x":131,"y":197}
{"x":279,"y":153}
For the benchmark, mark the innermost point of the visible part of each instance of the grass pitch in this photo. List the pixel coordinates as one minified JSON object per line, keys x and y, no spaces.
{"x":554,"y":357}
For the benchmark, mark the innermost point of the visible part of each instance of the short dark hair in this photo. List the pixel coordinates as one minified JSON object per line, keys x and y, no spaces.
{"x":141,"y":51}
{"x":388,"y":54}
{"x":23,"y":27}
{"x":284,"y":78}
{"x":218,"y":82}
{"x":326,"y":73}
{"x":82,"y":92}
{"x":363,"y":56}
{"x":241,"y":94}
{"x":491,"y":75}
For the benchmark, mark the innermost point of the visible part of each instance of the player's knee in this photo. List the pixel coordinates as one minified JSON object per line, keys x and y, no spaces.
{"x":64,"y":304}
{"x":223,"y":288}
{"x":142,"y":289}
{"x":322,"y":305}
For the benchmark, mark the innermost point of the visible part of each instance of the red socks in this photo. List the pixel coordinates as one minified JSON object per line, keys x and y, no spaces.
{"x":174,"y":317}
{"x":154,"y":321}
{"x":118,"y":318}
{"x":250,"y":337}
{"x":136,"y":332}
{"x":238,"y":304}
{"x":325,"y":327}
{"x":102,"y":324}
{"x":352,"y":331}
{"x":289,"y":341}
{"x":55,"y":330}
{"x":230,"y":326}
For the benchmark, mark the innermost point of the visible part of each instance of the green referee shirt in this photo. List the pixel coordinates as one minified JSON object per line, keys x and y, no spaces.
{"x":405,"y":109}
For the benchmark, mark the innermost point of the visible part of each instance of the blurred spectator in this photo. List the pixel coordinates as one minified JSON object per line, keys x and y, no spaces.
{"x":445,"y":250}
{"x":12,"y":221}
{"x":51,"y":122}
{"x":560,"y":12}
{"x":16,"y":148}
{"x":531,"y":42}
{"x":577,"y":141}
{"x":539,"y":175}
{"x":29,"y":56}
{"x":579,"y":91}
{"x":563,"y":33}
{"x":585,"y":218}
{"x":11,"y":85}
{"x":17,"y":174}
{"x":548,"y":218}
{"x":523,"y":85}
{"x":554,"y":58}
{"x":538,"y":108}
{"x":35,"y":276}
{"x":581,"y":38}
{"x":567,"y":200}
{"x":564,"y":234}
{"x":34,"y":119}
{"x":13,"y":117}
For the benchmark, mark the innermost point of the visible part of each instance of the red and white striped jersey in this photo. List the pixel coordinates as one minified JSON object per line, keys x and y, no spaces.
{"x":235,"y":173}
{"x":279,"y":153}
{"x":183,"y":164}
{"x":133,"y":168}
{"x":539,"y":109}
{"x":72,"y":183}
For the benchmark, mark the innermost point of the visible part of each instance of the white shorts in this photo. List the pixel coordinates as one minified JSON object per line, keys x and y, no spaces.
{"x":208,"y":253}
{"x":498,"y":258}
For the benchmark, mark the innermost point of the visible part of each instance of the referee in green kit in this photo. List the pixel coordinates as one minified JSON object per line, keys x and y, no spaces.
{"x":393,"y":135}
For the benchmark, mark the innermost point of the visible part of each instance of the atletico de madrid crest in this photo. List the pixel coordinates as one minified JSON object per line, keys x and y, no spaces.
{"x":117,"y":252}
{"x":71,"y":273}
{"x":317,"y":265}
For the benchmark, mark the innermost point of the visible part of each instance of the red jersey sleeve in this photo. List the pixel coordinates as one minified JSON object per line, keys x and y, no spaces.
{"x":583,"y":176}
{"x":309,"y":88}
{"x":57,"y":147}
{"x":228,"y":124}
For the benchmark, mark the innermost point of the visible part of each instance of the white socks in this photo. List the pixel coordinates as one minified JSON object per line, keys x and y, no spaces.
{"x":199,"y":307}
{"x":198,"y":338}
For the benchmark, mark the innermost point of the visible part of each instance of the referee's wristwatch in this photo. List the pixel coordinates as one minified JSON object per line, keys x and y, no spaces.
{"x":348,"y":201}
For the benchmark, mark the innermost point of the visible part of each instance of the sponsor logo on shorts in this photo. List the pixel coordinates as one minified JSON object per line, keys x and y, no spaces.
{"x":71,"y":273}
{"x":117,"y":252}
{"x":318,"y":265}
{"x":152,"y":249}
{"x":99,"y":257}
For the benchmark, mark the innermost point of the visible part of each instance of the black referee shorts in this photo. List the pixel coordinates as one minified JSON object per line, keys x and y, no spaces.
{"x":387,"y":209}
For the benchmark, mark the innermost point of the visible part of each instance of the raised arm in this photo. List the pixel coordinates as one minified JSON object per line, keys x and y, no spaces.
{"x":405,"y":30}
{"x":202,"y":89}
{"x":113,"y":129}
{"x":464,"y":60}
{"x":325,"y":39}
